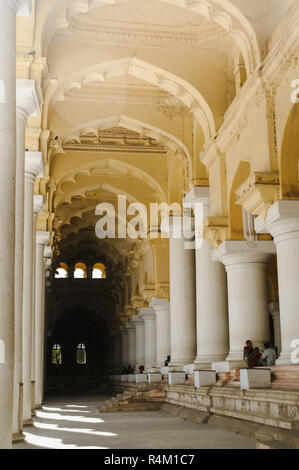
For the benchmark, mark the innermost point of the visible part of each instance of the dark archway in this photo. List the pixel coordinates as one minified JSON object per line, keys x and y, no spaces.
{"x":73,"y":327}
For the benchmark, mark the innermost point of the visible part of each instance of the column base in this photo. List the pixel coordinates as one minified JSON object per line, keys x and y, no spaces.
{"x":284,"y":359}
{"x":28,"y":422}
{"x":154,"y":378}
{"x":178,"y":366}
{"x":189,"y":368}
{"x":205,"y":362}
{"x":227,"y":366}
{"x":18,"y":437}
{"x":38,"y":407}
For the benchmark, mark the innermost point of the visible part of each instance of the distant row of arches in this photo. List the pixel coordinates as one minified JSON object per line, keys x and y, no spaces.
{"x":80,"y":271}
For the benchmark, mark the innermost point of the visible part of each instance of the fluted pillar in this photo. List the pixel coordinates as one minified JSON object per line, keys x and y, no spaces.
{"x":247,"y":295}
{"x":149,"y":318}
{"x":33,"y":168}
{"x":211,"y":290}
{"x":8,"y":11}
{"x":42,"y":239}
{"x":27,"y":105}
{"x":161,"y":308}
{"x":140,"y":338}
{"x":283,"y":223}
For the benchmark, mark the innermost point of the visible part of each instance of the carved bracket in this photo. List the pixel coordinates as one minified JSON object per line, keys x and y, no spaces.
{"x":259,"y":192}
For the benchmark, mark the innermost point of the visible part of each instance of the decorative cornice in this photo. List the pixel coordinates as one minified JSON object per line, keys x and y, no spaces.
{"x":116,"y":35}
{"x":97,"y":147}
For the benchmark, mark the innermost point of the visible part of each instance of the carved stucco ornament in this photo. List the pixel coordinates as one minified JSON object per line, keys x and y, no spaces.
{"x":215,"y":230}
{"x":259,"y":192}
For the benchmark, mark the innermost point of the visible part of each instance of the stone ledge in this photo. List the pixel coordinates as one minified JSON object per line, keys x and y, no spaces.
{"x":188,"y":414}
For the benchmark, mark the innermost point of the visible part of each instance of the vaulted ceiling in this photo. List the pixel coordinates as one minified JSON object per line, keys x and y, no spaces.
{"x":133,"y":91}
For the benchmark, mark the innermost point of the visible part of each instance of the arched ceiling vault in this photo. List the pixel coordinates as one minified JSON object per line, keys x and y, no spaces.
{"x":185,"y":93}
{"x":232,"y":16}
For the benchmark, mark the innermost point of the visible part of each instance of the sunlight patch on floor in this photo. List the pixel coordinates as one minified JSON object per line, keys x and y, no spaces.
{"x":53,"y":443}
{"x":55,"y":427}
{"x":60,"y":417}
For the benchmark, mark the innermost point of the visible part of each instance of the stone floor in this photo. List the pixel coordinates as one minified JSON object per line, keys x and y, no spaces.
{"x":74,"y":422}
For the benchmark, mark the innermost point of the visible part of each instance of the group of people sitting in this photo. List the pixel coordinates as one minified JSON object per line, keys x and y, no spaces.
{"x":127,"y":370}
{"x":130,"y":370}
{"x":254,"y":358}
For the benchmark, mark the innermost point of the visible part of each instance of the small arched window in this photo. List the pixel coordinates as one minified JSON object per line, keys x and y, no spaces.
{"x":80,"y":271}
{"x":62,"y":271}
{"x":99,"y":271}
{"x":56,"y":354}
{"x":81,"y":353}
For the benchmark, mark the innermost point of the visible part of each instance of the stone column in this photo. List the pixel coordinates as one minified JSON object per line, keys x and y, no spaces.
{"x":140,"y":338}
{"x":42,"y":239}
{"x":131,"y":344}
{"x":116,"y":337}
{"x":283,"y":223}
{"x":33,"y":168}
{"x":8,"y":11}
{"x":27,"y":105}
{"x":161,"y":308}
{"x":211,"y":290}
{"x":275,"y":314}
{"x":182,"y":298}
{"x":149,"y":318}
{"x":38,"y":202}
{"x":247,"y":295}
{"x":124,"y":347}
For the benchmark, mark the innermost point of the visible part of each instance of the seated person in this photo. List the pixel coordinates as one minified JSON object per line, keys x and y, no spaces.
{"x":255,"y":358}
{"x":124,"y":371}
{"x":130,"y":370}
{"x":268,"y":356}
{"x":141,"y":369}
{"x":248,"y":352}
{"x":167,"y":361}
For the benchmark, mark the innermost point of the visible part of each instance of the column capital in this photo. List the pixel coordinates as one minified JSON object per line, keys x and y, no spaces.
{"x":42,"y":238}
{"x":123,"y":330}
{"x":198,"y":195}
{"x":282,"y":221}
{"x":235,"y":253}
{"x":28,"y":103}
{"x":38,"y":204}
{"x":138,"y":320}
{"x":20,"y":7}
{"x":48,"y":249}
{"x":130,"y":328}
{"x":159,"y":304}
{"x":274,"y":309}
{"x":33,"y":165}
{"x":148,"y":314}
